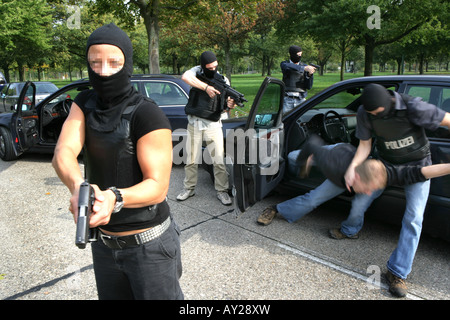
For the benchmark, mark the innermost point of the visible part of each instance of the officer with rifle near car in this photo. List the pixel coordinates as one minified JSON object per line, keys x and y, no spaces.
{"x":210,"y":98}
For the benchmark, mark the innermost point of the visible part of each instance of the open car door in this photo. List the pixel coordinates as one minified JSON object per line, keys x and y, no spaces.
{"x":25,"y":121}
{"x":257,"y":165}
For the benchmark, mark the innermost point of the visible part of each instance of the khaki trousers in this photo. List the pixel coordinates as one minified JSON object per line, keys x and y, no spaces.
{"x":213,"y":137}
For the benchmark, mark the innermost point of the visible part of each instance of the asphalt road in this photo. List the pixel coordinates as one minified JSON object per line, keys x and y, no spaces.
{"x":225,"y":256}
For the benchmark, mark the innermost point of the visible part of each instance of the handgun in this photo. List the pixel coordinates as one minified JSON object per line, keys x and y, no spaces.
{"x":84,"y":233}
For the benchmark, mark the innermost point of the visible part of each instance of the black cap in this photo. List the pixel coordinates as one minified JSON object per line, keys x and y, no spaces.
{"x":375,"y":96}
{"x":294,"y":50}
{"x":207,"y":57}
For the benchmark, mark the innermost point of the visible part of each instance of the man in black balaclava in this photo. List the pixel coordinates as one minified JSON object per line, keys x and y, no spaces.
{"x":205,"y":110}
{"x":208,"y":58}
{"x":398,"y":123}
{"x":127,"y":149}
{"x":297,"y":77}
{"x":375,"y":97}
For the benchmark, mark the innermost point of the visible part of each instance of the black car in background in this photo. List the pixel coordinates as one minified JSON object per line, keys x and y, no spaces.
{"x":11,"y":91}
{"x":35,"y":125}
{"x":261,"y":149}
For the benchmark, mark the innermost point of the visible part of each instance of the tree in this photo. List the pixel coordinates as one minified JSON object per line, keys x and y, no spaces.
{"x":370,"y":23}
{"x":152,"y":12}
{"x":265,"y":41}
{"x":24,"y":32}
{"x":233,"y":21}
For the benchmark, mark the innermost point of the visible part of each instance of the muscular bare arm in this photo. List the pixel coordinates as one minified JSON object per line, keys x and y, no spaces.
{"x":191,"y":79}
{"x":68,"y":148}
{"x":362,"y":152}
{"x":436,"y":170}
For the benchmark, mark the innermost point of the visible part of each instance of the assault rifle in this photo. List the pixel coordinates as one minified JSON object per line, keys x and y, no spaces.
{"x":86,"y":199}
{"x":224,"y":89}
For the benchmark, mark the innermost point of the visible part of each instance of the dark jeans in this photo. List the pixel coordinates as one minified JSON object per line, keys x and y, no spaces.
{"x":150,"y":271}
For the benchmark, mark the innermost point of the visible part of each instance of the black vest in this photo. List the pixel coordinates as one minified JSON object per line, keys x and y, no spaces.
{"x":399,"y":141}
{"x":110,"y":160}
{"x":294,"y":81}
{"x":201,"y":105}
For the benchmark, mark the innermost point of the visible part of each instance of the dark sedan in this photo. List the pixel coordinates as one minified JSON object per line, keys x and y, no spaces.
{"x":261,"y":149}
{"x":35,"y":126}
{"x":11,"y":92}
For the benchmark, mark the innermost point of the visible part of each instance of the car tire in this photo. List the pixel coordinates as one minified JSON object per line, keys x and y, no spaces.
{"x":6,"y":146}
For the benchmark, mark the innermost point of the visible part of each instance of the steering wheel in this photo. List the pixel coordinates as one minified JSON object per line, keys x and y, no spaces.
{"x":65,"y":107}
{"x":334,"y":129}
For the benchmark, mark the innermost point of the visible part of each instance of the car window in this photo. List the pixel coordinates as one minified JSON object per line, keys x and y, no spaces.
{"x":268,"y":107}
{"x":28,"y":104}
{"x":348,"y":98}
{"x":45,"y":87}
{"x":165,"y":93}
{"x":437,"y":95}
{"x":69,"y":94}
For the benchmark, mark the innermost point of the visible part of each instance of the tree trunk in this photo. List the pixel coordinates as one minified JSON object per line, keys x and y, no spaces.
{"x":368,"y":59}
{"x":21,"y":71}
{"x":227,"y":50}
{"x":174,"y":63}
{"x":421,"y":62}
{"x":151,"y":21}
{"x":263,"y":72}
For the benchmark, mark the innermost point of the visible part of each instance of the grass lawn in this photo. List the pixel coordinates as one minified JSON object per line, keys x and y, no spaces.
{"x":248,"y":84}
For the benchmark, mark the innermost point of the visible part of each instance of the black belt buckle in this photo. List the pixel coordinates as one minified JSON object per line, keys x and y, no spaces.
{"x":118,"y":242}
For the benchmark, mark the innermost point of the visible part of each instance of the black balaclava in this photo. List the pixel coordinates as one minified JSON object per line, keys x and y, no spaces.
{"x":114,"y":92}
{"x":208,"y":57}
{"x":293,"y":50}
{"x":375,"y":96}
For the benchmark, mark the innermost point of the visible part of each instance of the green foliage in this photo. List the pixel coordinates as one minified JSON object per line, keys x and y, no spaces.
{"x":246,"y":35}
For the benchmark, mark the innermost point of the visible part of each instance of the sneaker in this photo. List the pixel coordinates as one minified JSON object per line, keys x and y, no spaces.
{"x":338,"y":235}
{"x":267,"y":216}
{"x":397,"y":286}
{"x":224,"y":198}
{"x":185,"y":194}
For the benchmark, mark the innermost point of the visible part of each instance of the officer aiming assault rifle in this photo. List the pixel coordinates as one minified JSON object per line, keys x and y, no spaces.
{"x":225,"y":90}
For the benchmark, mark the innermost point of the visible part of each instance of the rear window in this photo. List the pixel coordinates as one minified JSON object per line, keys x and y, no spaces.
{"x":45,"y":87}
{"x":437,"y":95}
{"x":165,"y":93}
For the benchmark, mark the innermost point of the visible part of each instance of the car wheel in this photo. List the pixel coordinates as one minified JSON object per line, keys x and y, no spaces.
{"x":6,"y":147}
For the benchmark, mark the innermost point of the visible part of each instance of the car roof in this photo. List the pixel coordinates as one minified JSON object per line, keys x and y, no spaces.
{"x":396,"y":78}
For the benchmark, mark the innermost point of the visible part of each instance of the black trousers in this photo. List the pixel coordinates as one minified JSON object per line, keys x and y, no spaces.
{"x":146,"y":272}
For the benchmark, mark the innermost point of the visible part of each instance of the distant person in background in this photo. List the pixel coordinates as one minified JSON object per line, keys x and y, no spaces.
{"x":297,"y":77}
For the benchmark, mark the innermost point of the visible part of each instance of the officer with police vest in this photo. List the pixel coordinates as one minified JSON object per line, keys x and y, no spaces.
{"x":205,"y":109}
{"x":398,"y":124}
{"x":297,"y":77}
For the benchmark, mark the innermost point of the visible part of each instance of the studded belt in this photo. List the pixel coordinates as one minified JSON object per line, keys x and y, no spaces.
{"x":133,"y":240}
